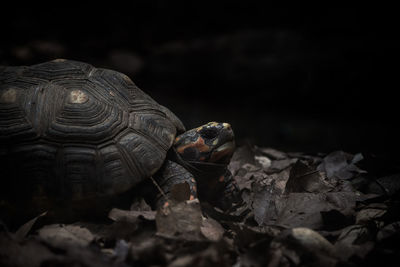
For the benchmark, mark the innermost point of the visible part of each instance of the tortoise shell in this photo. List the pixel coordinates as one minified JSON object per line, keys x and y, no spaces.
{"x":70,"y":130}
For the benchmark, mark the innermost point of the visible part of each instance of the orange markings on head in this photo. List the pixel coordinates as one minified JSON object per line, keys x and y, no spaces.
{"x":191,"y":197}
{"x":221,"y":178}
{"x":198,"y":144}
{"x":166,"y":204}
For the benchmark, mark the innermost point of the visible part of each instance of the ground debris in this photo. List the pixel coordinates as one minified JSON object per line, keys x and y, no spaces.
{"x":295,"y":210}
{"x":341,"y":165}
{"x":303,"y":178}
{"x":131,"y":215}
{"x":59,"y":235}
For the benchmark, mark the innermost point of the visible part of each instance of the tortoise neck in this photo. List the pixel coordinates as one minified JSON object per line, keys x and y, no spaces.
{"x":199,"y":169}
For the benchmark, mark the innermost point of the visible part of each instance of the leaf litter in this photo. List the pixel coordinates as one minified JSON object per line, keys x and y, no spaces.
{"x":295,"y":210}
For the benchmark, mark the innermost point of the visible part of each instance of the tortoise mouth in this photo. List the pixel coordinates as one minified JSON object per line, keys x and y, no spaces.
{"x":223,"y":153}
{"x":229,"y":145}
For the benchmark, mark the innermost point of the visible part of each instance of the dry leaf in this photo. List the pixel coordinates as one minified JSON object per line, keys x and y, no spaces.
{"x":306,"y":179}
{"x":59,"y":235}
{"x":180,"y":220}
{"x":131,"y":215}
{"x":212,"y":230}
{"x":24,"y":229}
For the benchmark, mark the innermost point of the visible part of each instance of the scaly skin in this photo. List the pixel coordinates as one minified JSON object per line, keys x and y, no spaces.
{"x":200,"y":158}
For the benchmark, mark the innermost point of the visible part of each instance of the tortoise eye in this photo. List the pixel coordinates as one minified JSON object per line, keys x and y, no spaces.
{"x":209,"y":133}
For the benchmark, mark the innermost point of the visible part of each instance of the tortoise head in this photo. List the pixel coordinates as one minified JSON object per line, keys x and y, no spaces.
{"x":212,"y":142}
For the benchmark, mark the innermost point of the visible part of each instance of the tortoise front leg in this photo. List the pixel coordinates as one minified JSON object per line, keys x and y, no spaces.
{"x":175,"y":182}
{"x":230,"y":193}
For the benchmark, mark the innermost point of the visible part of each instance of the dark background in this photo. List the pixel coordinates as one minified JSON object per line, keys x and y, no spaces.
{"x":291,"y":79}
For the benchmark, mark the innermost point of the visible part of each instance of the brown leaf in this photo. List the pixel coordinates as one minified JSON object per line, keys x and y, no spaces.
{"x":212,"y":230}
{"x":131,"y":215}
{"x":246,"y":236}
{"x":279,"y":165}
{"x":264,"y":203}
{"x":367,"y":215}
{"x":213,"y":255}
{"x":148,"y":251}
{"x":341,"y":165}
{"x":306,"y":179}
{"x":302,"y":247}
{"x":60,"y":235}
{"x":389,"y":231}
{"x":263,"y":161}
{"x":280,"y":179}
{"x":272,"y":153}
{"x":180,"y":220}
{"x":248,"y":174}
{"x":24,"y":229}
{"x":304,"y":209}
{"x":244,"y":154}
{"x":354,"y":240}
{"x":311,"y":241}
{"x":28,"y":253}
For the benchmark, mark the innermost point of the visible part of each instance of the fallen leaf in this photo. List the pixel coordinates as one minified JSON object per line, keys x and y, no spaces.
{"x":180,"y":220}
{"x":367,"y":215}
{"x":59,"y":235}
{"x":354,"y":240}
{"x":390,"y":231}
{"x":341,"y":165}
{"x":131,"y":215}
{"x":24,"y":229}
{"x":272,"y":153}
{"x":246,"y":236}
{"x":148,"y":251}
{"x":244,"y":182}
{"x":279,"y":165}
{"x":247,"y":174}
{"x":244,"y":154}
{"x":311,"y":241}
{"x":387,"y":185}
{"x":263,"y":161}
{"x":302,"y":247}
{"x":213,"y":255}
{"x":29,"y":253}
{"x":121,"y":250}
{"x":280,"y":179}
{"x":264,"y":204}
{"x":311,"y":159}
{"x":257,"y":254}
{"x":306,"y":179}
{"x":212,"y":230}
{"x":304,"y":209}
{"x":250,"y":167}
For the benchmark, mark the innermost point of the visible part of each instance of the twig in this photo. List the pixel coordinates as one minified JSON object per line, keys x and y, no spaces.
{"x":159,"y":188}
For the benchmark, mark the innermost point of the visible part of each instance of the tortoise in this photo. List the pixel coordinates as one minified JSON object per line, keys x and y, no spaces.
{"x":70,"y":133}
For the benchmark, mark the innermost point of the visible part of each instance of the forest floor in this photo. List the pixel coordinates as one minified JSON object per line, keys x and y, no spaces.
{"x":297,"y":209}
